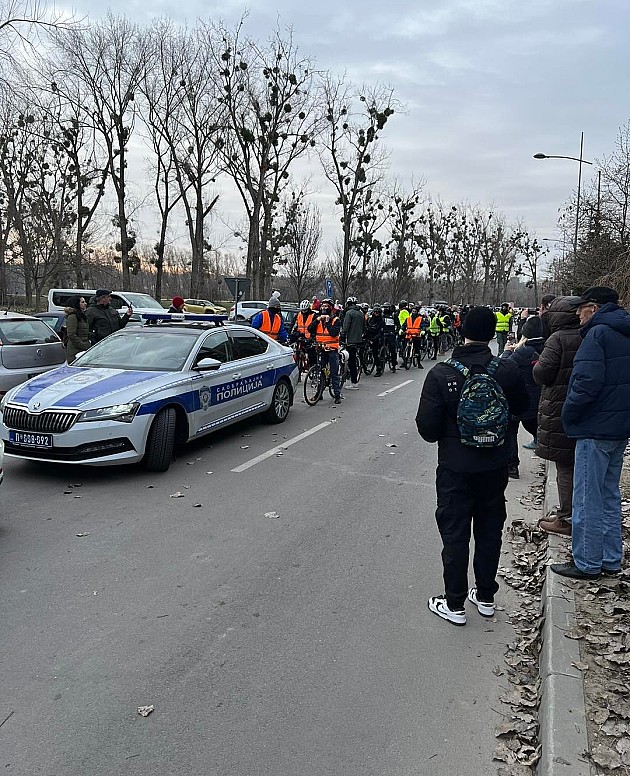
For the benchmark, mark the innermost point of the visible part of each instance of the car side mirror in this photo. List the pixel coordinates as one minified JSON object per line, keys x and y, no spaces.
{"x":207,"y":365}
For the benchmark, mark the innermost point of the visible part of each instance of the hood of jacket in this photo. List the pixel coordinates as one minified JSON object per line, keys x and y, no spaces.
{"x":612,"y":315}
{"x":561,"y":313}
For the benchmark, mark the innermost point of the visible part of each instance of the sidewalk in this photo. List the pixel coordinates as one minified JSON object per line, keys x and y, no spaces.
{"x":563,"y":732}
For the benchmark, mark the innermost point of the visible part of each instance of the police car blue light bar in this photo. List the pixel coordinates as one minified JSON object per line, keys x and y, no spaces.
{"x":184,"y":317}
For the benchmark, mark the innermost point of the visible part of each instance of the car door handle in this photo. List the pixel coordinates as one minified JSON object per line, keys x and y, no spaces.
{"x":271,"y":366}
{"x":236,"y":375}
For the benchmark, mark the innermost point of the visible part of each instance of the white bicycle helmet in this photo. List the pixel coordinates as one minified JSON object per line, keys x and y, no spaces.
{"x":351,"y":300}
{"x":305,"y":304}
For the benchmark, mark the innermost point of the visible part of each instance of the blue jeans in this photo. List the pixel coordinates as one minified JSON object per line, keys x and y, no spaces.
{"x":596,"y":534}
{"x":332,"y":357}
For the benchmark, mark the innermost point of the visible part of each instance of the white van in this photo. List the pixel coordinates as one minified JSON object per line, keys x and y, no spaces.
{"x":121,"y":300}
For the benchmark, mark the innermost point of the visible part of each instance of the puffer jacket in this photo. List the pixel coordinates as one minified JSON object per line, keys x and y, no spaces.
{"x":552,"y":372}
{"x":525,"y":357}
{"x":598,"y":400}
{"x":78,"y":333}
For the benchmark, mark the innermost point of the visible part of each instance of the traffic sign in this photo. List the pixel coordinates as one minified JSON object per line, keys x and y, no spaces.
{"x":238,"y":286}
{"x":329,"y":288}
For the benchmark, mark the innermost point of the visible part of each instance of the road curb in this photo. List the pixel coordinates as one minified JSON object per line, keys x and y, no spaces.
{"x":563,"y":734}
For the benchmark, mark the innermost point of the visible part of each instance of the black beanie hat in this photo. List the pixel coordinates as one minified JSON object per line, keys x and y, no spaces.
{"x":479,"y":324}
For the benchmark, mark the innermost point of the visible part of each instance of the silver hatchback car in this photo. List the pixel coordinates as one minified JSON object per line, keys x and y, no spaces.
{"x":28,"y":347}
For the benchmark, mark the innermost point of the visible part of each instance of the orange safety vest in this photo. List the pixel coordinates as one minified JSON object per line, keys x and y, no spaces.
{"x":322,"y":337}
{"x":414,"y":326}
{"x":303,"y":321}
{"x":269,"y":327}
{"x":457,"y":322}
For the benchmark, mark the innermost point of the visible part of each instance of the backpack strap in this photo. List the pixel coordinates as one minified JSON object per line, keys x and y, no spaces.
{"x":459,"y":367}
{"x":493,"y":366}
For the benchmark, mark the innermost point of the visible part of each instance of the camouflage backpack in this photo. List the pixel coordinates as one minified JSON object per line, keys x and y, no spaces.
{"x":482,"y":412}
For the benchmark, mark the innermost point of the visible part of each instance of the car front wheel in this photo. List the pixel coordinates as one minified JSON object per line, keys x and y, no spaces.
{"x":161,"y":441}
{"x":280,"y":403}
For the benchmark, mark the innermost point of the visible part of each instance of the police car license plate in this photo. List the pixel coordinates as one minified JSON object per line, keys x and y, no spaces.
{"x":29,"y":439}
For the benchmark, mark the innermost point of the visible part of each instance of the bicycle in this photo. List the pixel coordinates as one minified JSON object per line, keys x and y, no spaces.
{"x":318,"y":378}
{"x":301,"y":356}
{"x":366,"y":359}
{"x":447,"y":341}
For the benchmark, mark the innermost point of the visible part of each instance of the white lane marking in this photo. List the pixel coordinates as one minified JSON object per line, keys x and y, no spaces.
{"x":281,"y":448}
{"x":391,"y":390}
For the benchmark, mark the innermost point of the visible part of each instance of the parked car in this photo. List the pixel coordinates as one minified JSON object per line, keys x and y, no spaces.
{"x":28,"y":347}
{"x":138,"y":392}
{"x":248,"y":309}
{"x":120,"y":301}
{"x":204,"y":306}
{"x":57,"y":322}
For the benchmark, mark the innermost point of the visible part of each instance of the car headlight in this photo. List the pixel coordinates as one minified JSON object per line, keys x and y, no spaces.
{"x":124,"y":413}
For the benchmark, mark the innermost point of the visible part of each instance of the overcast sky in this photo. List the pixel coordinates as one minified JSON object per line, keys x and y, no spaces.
{"x":486,"y":83}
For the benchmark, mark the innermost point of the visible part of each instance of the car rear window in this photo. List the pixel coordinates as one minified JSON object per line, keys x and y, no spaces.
{"x":26,"y":332}
{"x":248,"y":344}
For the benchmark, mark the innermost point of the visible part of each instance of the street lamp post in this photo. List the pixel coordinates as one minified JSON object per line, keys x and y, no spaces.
{"x":581,"y":161}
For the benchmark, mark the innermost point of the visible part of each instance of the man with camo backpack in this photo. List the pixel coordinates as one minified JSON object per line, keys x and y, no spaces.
{"x":472,"y":471}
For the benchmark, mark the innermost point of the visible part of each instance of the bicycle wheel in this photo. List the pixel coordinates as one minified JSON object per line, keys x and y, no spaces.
{"x":302,"y":362}
{"x":392,"y":358}
{"x":382,"y":356}
{"x":368,"y":361}
{"x":407,"y":355}
{"x":423,"y":348}
{"x":314,"y":385}
{"x":344,"y":371}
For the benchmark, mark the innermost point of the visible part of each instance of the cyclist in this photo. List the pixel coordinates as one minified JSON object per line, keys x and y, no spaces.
{"x":300,"y":330}
{"x":271,"y":322}
{"x":353,"y":328}
{"x":389,"y":332}
{"x":375,"y":334}
{"x":435,"y":329}
{"x":325,"y":330}
{"x":412,"y":329}
{"x":445,"y":320}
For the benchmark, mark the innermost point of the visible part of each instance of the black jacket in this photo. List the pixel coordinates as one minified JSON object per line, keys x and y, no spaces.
{"x":104,"y":321}
{"x":437,"y":413}
{"x":525,"y":357}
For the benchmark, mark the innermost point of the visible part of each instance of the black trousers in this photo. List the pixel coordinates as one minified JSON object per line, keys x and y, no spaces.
{"x":464,"y":501}
{"x":531,"y":425}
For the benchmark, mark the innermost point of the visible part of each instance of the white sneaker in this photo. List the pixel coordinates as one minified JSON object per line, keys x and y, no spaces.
{"x":438,"y":606}
{"x":485,"y":609}
{"x":351,"y":387}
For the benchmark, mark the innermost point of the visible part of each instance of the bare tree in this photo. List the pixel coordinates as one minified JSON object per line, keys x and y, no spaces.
{"x":304,"y":234}
{"x":105,"y":64}
{"x":273,"y":119}
{"x":403,"y":255}
{"x":351,"y":157}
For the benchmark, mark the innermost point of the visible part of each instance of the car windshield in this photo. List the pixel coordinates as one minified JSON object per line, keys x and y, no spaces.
{"x":154,"y":351}
{"x":26,"y":332}
{"x":143,"y":300}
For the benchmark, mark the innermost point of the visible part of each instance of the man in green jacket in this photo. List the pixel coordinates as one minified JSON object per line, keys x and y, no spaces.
{"x":352,"y":332}
{"x":103,"y":320}
{"x":503,"y":324}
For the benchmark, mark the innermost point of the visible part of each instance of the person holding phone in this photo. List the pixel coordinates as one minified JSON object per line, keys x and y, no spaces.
{"x":103,"y":320}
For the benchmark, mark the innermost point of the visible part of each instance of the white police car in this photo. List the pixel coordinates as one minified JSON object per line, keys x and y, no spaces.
{"x":142,"y":390}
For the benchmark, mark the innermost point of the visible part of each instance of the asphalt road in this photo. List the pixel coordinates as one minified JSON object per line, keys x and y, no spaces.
{"x":296,"y":645}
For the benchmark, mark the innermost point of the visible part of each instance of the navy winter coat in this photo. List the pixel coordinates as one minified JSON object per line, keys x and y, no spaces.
{"x":524,"y":357}
{"x":598,"y":401}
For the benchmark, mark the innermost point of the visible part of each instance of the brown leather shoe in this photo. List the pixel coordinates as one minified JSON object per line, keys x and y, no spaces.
{"x":555,"y":526}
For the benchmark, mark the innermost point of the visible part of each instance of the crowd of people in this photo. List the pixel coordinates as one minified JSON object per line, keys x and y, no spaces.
{"x":567,"y":379}
{"x":562,"y":370}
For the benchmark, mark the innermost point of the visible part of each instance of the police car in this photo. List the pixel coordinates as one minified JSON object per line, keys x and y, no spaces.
{"x":140,"y":391}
